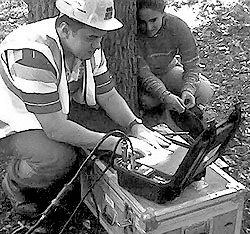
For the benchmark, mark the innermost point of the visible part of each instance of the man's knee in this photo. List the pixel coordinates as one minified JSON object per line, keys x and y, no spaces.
{"x":37,"y":160}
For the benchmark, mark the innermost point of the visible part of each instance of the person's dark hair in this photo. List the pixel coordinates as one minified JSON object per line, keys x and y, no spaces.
{"x":157,"y":5}
{"x":72,"y":23}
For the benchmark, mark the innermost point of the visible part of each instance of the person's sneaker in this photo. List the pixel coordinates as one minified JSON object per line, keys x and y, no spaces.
{"x":18,"y":201}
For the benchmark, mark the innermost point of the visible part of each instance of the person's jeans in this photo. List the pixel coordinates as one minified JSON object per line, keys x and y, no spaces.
{"x":38,"y":165}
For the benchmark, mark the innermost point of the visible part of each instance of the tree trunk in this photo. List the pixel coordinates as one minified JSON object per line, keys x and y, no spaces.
{"x":40,"y":9}
{"x":119,"y":46}
{"x":121,"y":53}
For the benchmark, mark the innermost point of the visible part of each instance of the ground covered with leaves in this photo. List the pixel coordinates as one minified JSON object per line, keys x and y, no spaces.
{"x":224,"y":50}
{"x":224,"y":44}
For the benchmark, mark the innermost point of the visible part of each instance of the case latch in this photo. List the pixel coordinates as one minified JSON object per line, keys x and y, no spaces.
{"x":110,"y":215}
{"x":125,"y":223}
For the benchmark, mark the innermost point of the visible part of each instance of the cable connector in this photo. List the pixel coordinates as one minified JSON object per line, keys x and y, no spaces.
{"x":124,"y":148}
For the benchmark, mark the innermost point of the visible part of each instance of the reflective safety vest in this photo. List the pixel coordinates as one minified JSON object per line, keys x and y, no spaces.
{"x":42,"y":37}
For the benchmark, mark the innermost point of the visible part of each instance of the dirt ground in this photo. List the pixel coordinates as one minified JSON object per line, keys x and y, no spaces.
{"x":224,"y":45}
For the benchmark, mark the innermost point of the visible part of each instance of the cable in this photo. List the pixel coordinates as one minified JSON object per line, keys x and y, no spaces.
{"x":96,"y":206}
{"x":66,"y":187}
{"x":92,"y":186}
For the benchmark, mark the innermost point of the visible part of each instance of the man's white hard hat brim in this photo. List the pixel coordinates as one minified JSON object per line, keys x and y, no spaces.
{"x":109,"y":25}
{"x":65,"y":7}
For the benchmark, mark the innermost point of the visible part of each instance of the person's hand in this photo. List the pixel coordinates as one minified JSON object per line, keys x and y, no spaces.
{"x":154,"y":139}
{"x":188,"y":99}
{"x":174,"y":102}
{"x":140,"y":147}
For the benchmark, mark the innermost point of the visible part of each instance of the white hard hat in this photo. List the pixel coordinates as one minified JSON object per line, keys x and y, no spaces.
{"x":96,"y":13}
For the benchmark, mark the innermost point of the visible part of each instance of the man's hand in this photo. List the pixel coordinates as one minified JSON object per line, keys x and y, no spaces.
{"x":173,"y":102}
{"x":188,"y":99}
{"x":152,"y":138}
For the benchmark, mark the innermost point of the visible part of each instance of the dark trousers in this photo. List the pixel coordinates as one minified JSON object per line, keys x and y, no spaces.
{"x":37,"y":164}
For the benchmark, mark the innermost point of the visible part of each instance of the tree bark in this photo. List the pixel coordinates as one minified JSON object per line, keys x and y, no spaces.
{"x":40,"y":9}
{"x":119,"y":45}
{"x":120,"y":49}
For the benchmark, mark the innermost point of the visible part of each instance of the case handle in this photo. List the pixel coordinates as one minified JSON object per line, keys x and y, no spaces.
{"x":110,"y":217}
